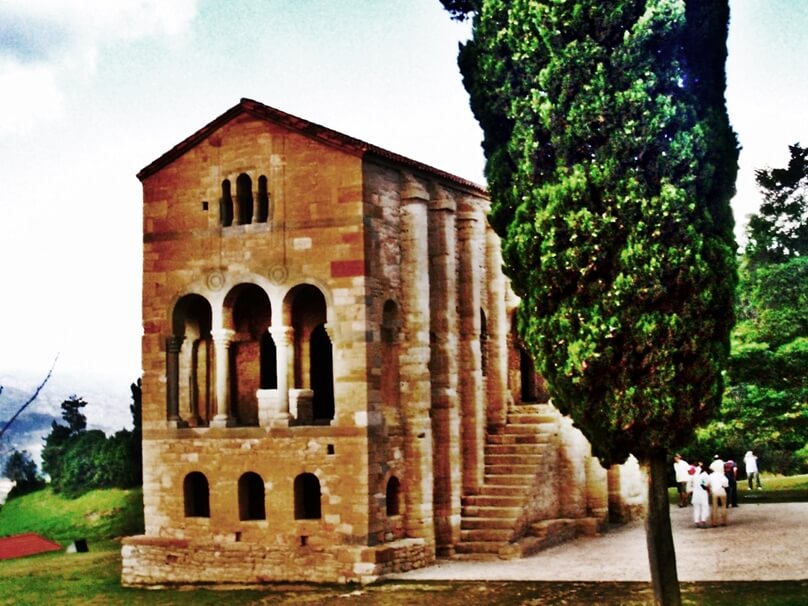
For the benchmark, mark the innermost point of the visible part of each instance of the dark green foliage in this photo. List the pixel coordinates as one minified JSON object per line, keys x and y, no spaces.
{"x":779,"y":231}
{"x":611,"y":164}
{"x":20,"y":468}
{"x":766,"y":405}
{"x":78,"y":460}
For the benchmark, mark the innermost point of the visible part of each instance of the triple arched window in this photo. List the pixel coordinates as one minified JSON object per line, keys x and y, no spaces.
{"x":248,"y":206}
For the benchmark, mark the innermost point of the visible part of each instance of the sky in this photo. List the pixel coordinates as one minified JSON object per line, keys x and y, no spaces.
{"x":91,"y":91}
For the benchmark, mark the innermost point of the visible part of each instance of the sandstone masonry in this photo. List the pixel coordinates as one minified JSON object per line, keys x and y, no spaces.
{"x":333,"y":388}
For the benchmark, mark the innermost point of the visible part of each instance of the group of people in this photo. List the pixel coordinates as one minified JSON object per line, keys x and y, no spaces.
{"x":712,"y":489}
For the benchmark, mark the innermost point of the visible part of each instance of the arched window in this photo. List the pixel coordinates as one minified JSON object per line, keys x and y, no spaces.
{"x":322,"y":374}
{"x":245,"y":199}
{"x":527,"y":373}
{"x":392,"y":497}
{"x":269,"y":362}
{"x":226,"y":205}
{"x":197,"y":495}
{"x":307,"y":497}
{"x":262,"y":215}
{"x":189,"y":361}
{"x":252,"y":357}
{"x":251,"y":497}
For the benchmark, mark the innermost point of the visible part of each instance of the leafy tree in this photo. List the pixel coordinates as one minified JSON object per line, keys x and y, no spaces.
{"x":135,"y":439}
{"x":779,"y":231}
{"x":611,"y":163}
{"x":766,"y":406}
{"x":61,"y":436}
{"x":21,"y":468}
{"x":78,"y":460}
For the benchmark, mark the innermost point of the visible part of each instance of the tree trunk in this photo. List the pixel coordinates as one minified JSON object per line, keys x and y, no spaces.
{"x":658,"y":535}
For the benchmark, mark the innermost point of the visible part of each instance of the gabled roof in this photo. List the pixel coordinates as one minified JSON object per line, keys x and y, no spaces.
{"x":309,"y":129}
{"x":22,"y":545}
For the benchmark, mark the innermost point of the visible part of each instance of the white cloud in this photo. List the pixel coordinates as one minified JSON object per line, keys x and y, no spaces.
{"x":30,"y":95}
{"x":47,"y":44}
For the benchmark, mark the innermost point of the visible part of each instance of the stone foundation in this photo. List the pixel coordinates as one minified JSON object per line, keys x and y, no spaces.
{"x":153,"y":560}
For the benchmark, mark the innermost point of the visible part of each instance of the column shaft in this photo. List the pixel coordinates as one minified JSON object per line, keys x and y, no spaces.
{"x":444,"y":367}
{"x":414,"y":361}
{"x":471,"y":383}
{"x":221,"y":346}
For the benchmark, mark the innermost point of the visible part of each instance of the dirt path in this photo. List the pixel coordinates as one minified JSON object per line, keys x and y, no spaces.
{"x":761,"y":542}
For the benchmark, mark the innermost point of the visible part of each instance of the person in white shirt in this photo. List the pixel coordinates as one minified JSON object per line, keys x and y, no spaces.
{"x":718,"y":495}
{"x":717,"y":464}
{"x":681,"y":468}
{"x":752,"y":472}
{"x":701,"y":503}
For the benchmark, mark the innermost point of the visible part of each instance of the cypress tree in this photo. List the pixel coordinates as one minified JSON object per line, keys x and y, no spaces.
{"x":611,"y":164}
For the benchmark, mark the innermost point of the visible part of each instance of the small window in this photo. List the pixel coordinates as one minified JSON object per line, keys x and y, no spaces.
{"x":245,"y":199}
{"x":226,"y":205}
{"x":251,"y":497}
{"x":307,"y":497}
{"x":262,"y":216}
{"x":392,"y":495}
{"x":197,"y":495}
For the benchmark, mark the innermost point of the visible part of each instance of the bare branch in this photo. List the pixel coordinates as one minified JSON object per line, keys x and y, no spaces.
{"x":30,"y":400}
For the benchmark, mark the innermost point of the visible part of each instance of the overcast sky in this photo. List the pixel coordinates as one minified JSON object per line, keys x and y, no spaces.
{"x":91,"y":91}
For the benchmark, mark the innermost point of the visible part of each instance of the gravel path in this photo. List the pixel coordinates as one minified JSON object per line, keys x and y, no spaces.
{"x":767,"y":542}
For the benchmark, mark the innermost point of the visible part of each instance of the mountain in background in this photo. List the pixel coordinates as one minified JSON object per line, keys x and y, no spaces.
{"x":107,"y":409}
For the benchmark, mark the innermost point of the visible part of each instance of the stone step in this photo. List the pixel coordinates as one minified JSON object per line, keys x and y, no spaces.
{"x":516,"y":449}
{"x":525,"y":429}
{"x":486,"y":534}
{"x":499,"y":490}
{"x":514,"y":479}
{"x":487,"y":523}
{"x":481,"y":500}
{"x":491,"y":512}
{"x":531,"y":419}
{"x":510,"y":469}
{"x":479,"y":548}
{"x":513,"y":459}
{"x":520,"y":438}
{"x":537,"y":408}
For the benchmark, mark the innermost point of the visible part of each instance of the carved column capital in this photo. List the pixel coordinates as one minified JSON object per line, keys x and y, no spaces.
{"x":222,"y":336}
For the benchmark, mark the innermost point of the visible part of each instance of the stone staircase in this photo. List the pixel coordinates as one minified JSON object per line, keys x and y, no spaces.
{"x":493,"y":521}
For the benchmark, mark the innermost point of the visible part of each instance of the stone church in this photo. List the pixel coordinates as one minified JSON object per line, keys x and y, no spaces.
{"x":333,"y":389}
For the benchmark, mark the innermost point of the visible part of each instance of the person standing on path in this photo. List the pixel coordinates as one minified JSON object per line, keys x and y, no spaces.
{"x":731,"y":471}
{"x":718,"y":496}
{"x":752,"y":472}
{"x":681,"y":468}
{"x":701,"y":504}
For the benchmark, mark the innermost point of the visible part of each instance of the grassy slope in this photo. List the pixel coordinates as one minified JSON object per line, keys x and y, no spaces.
{"x":99,"y":515}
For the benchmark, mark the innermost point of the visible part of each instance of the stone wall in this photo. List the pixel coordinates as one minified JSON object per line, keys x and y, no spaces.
{"x":150,"y":560}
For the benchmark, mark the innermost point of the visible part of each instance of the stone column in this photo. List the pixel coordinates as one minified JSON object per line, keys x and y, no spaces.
{"x":443,"y":366}
{"x":414,"y":360}
{"x":469,"y":232}
{"x":221,"y":346}
{"x":284,"y":339}
{"x":173,"y":348}
{"x":497,"y":371}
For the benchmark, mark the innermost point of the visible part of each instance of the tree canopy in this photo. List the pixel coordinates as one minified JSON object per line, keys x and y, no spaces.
{"x":766,"y":405}
{"x":611,"y":163}
{"x":779,"y":231}
{"x":77,"y":459}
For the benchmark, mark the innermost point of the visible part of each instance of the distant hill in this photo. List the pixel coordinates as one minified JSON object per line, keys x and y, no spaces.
{"x":107,"y":407}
